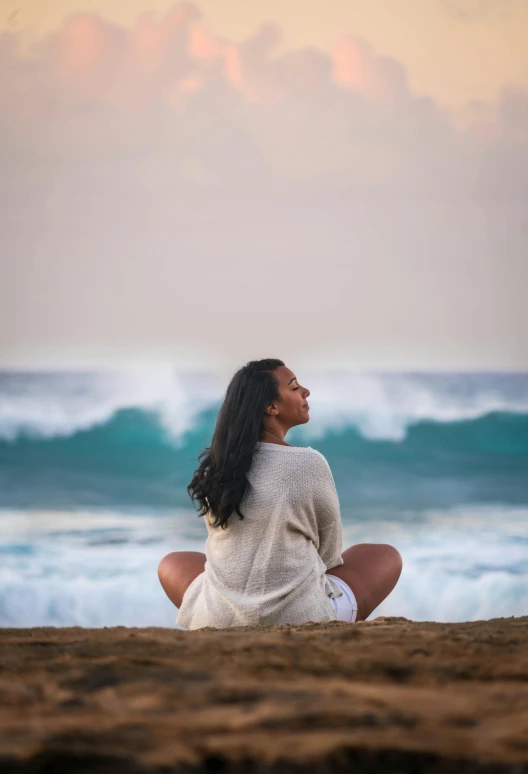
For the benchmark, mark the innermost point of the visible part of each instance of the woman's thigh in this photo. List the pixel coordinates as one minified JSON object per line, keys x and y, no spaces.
{"x":372,"y":571}
{"x":177,"y":571}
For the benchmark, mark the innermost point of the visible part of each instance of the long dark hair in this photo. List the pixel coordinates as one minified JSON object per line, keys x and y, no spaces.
{"x":220,"y":482}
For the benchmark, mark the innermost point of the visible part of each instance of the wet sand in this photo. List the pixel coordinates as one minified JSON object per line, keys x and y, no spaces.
{"x":388,"y":695}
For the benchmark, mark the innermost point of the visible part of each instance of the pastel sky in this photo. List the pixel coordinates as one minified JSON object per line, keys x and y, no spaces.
{"x":342,"y":182}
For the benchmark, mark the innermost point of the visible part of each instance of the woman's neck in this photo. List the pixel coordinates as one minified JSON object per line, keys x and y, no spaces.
{"x":279,"y":442}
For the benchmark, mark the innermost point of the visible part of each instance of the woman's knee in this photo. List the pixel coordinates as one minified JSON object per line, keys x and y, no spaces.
{"x":180,"y":561}
{"x":371,"y":570}
{"x":166,"y":566}
{"x":164,"y":563}
{"x":394,"y":558}
{"x":177,"y":570}
{"x":398,"y":564}
{"x":390,"y":564}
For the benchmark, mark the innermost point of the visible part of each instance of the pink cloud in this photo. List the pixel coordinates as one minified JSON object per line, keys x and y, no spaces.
{"x":230,"y":108}
{"x":102,"y":61}
{"x":84,"y":44}
{"x":358,"y":68}
{"x":202,"y":44}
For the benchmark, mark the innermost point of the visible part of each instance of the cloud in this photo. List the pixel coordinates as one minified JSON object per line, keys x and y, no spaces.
{"x":94,"y":88}
{"x":358,"y":68}
{"x":222,"y":112}
{"x":164,"y":173}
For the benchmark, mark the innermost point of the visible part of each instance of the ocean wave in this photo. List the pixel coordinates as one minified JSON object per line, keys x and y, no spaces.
{"x":131,"y":460}
{"x":133,"y":438}
{"x":379,"y":406}
{"x":385,"y":406}
{"x":58,"y":405}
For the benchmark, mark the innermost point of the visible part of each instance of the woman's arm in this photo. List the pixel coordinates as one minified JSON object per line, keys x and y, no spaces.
{"x":328,"y":516}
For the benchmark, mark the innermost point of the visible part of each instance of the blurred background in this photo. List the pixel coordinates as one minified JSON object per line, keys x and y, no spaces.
{"x":187,"y":187}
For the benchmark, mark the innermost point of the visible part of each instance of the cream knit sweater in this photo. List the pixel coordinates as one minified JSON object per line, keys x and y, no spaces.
{"x":269,"y":568}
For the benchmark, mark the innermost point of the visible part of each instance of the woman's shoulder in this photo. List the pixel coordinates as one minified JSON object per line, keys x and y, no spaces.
{"x":316,"y":454}
{"x":321,"y":468}
{"x":294,"y":456}
{"x":284,"y":451}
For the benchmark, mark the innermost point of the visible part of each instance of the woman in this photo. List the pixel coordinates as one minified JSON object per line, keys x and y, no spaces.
{"x":273,"y":554}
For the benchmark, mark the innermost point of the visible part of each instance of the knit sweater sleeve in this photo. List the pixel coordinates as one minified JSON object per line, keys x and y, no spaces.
{"x":328,"y":515}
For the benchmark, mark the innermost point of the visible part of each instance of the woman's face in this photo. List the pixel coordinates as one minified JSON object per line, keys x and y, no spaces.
{"x":293,"y":408}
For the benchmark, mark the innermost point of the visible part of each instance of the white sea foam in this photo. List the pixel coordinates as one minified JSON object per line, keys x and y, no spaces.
{"x":100,"y":569}
{"x":382,"y":406}
{"x":379,"y":405}
{"x":60,"y":404}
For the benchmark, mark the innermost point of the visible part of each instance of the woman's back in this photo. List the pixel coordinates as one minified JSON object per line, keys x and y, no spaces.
{"x":269,"y":568}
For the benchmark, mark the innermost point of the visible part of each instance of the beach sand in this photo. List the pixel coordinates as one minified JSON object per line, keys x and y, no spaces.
{"x":388,"y":695}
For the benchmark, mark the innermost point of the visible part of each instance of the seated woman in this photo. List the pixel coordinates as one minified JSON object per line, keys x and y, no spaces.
{"x":273,"y":554}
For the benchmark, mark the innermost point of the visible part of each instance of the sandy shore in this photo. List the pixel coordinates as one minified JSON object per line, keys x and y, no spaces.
{"x":388,"y":695}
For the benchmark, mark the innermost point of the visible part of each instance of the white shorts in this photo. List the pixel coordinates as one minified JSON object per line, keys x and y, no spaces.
{"x":345,"y":606}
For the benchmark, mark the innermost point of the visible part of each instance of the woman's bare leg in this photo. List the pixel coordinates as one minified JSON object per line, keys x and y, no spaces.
{"x":177,"y":571}
{"x":372,"y":571}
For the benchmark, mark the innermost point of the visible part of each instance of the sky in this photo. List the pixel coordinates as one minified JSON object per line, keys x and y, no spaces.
{"x":341,"y":183}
